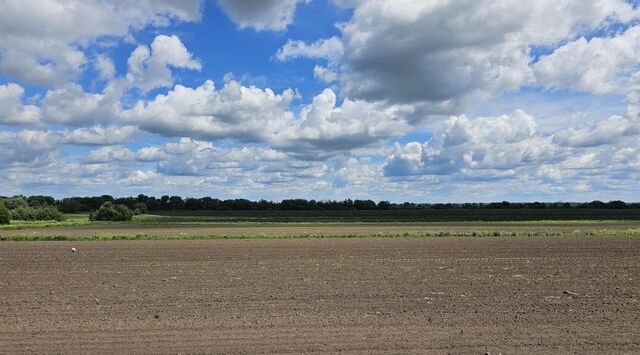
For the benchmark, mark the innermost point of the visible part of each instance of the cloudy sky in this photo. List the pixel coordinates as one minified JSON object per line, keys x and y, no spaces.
{"x":419,"y":100}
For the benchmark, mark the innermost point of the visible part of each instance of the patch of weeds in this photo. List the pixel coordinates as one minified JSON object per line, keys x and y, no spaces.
{"x":558,"y":274}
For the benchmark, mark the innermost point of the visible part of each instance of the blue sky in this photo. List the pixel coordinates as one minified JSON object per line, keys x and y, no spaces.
{"x":426,"y":101}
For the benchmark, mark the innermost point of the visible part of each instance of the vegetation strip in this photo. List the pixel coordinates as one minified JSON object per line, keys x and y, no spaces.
{"x":426,"y":234}
{"x":158,"y":220}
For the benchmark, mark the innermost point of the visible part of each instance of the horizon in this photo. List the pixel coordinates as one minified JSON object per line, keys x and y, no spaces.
{"x":399,"y":202}
{"x":322,"y":100}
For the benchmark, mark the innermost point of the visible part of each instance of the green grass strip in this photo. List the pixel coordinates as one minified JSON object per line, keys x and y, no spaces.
{"x":425,"y":234}
{"x":163,"y":221}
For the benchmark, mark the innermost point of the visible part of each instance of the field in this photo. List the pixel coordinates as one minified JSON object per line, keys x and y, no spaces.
{"x":320,"y":286}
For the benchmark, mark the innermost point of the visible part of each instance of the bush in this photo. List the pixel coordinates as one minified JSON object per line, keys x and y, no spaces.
{"x":15,"y":202}
{"x":111,"y":212}
{"x":5,"y":215}
{"x":141,"y":207}
{"x":37,"y":214}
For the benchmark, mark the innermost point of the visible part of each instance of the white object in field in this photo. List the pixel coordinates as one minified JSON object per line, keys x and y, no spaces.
{"x":73,"y":250}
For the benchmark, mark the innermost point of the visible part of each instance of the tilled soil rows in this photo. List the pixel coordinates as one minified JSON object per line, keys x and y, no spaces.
{"x":402,"y":295}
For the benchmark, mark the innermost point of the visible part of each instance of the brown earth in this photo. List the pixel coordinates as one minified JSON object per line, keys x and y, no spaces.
{"x":297,"y":229}
{"x":352,"y":296}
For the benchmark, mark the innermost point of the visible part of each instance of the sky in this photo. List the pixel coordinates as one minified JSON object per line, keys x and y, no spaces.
{"x":399,"y":100}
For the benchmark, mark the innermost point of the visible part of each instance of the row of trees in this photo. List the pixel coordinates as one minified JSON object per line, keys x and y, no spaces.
{"x":108,"y":208}
{"x":36,"y":209}
{"x":145,"y":203}
{"x":29,"y":209}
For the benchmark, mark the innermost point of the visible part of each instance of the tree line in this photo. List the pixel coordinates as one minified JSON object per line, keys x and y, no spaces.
{"x":177,"y":203}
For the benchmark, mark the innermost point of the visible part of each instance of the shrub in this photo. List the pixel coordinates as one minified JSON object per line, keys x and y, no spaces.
{"x":37,"y":214}
{"x":111,"y":212}
{"x":141,"y":207}
{"x":5,"y":215}
{"x":15,"y":202}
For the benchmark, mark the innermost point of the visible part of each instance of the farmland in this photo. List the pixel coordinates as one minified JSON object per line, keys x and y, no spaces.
{"x":246,"y":282}
{"x":360,"y":295}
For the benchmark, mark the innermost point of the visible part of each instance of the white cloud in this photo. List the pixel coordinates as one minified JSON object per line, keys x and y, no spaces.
{"x":105,"y":67}
{"x":324,"y":127}
{"x":325,"y":74}
{"x":42,"y":40}
{"x":261,"y":14}
{"x":151,"y":154}
{"x":101,"y":135}
{"x":253,"y":115}
{"x":12,"y":110}
{"x":464,"y":145}
{"x":109,"y":154}
{"x":439,"y":53}
{"x":192,"y":157}
{"x":248,"y":114}
{"x":71,"y":105}
{"x":27,"y":148}
{"x":607,"y":131}
{"x":598,"y":66}
{"x":330,"y":49}
{"x":150,"y":68}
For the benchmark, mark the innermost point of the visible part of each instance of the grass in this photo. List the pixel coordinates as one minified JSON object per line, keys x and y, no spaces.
{"x":83,"y":220}
{"x":77,"y":220}
{"x":425,"y":234}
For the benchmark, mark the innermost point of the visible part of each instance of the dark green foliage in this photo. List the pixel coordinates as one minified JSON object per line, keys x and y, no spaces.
{"x":40,"y":201}
{"x":5,"y":215}
{"x":405,"y":215}
{"x":141,"y":207}
{"x":16,"y":202}
{"x":144,"y":204}
{"x":111,"y":212}
{"x":48,"y":213}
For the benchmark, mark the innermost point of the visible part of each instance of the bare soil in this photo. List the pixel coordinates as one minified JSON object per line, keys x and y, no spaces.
{"x":298,"y":229}
{"x":352,"y":296}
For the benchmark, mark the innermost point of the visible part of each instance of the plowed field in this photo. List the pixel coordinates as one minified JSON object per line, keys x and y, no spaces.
{"x":401,"y":295}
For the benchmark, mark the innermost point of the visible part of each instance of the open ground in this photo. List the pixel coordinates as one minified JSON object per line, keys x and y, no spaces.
{"x":312,"y":229}
{"x":359,"y":295}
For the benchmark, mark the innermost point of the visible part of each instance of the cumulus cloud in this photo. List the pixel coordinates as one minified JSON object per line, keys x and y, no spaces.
{"x":598,"y":66}
{"x":149,"y":68}
{"x":325,"y":127}
{"x":192,"y":157}
{"x":109,"y":154}
{"x":463,"y":145}
{"x":248,"y":114}
{"x":253,"y":115}
{"x":261,"y":14}
{"x":13,"y":111}
{"x":101,"y":135}
{"x":105,"y":67}
{"x":330,"y":49}
{"x":71,"y":105}
{"x":607,"y":131}
{"x":42,"y":41}
{"x":438,"y":53}
{"x":324,"y":74}
{"x":27,"y":148}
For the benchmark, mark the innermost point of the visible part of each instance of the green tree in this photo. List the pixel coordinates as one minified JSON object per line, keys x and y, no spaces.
{"x":5,"y":215}
{"x":16,"y":202}
{"x":48,"y":213}
{"x":142,"y":208}
{"x":111,"y":212}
